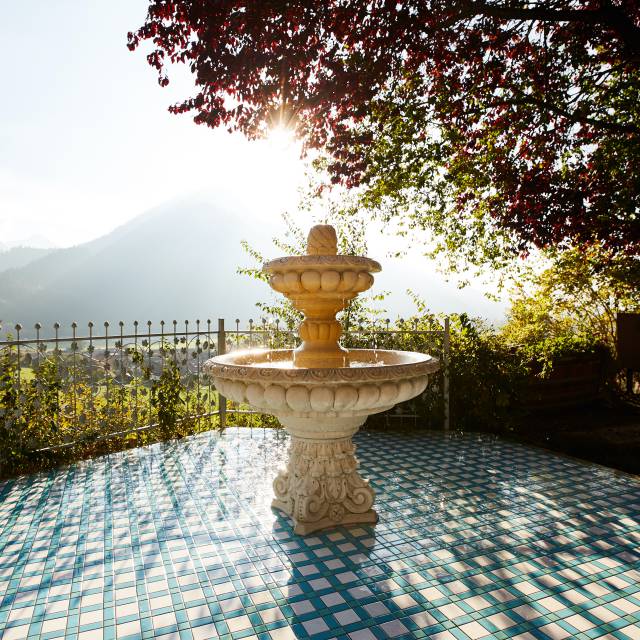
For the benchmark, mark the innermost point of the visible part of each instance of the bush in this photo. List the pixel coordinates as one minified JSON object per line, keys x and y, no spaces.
{"x":488,"y":375}
{"x":59,"y":405}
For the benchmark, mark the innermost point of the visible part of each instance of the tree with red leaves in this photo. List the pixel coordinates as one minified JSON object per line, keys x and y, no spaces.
{"x":499,"y":125}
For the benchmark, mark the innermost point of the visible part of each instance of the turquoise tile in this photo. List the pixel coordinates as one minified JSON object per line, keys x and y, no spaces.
{"x":461,"y":517}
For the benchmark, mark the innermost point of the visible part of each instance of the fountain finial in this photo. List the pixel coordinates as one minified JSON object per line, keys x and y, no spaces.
{"x":322,"y":241}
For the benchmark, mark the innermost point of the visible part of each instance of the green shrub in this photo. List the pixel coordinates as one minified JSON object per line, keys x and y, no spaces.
{"x":59,"y":413}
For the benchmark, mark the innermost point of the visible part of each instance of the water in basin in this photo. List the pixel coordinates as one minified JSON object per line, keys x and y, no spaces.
{"x":289,"y":364}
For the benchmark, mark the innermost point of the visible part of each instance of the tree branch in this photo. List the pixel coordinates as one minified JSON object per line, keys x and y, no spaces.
{"x":608,"y":15}
{"x":571,"y":116}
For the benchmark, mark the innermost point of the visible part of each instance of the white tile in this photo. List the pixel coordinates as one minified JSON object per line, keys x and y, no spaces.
{"x":574,"y":597}
{"x":164,"y":620}
{"x":231,"y":604}
{"x":362,"y":634}
{"x":159,"y":602}
{"x":283,"y":633}
{"x":300,"y":608}
{"x":128,"y":628}
{"x":91,"y":617}
{"x":414,"y":578}
{"x":596,"y":589}
{"x":555,"y":631}
{"x":58,"y":624}
{"x":198,"y":612}
{"x":225,"y":587}
{"x":423,"y":619}
{"x":404,"y":601}
{"x":394,"y":628}
{"x":502,"y":595}
{"x":319,"y":584}
{"x":204,"y":632}
{"x":174,"y":635}
{"x":90,"y":600}
{"x":552,"y":604}
{"x":527,"y":612}
{"x":625,"y":605}
{"x":317,"y":625}
{"x":359,"y":593}
{"x":332,"y":599}
{"x":293,"y":590}
{"x":477,"y":603}
{"x":632,"y":630}
{"x":432,"y":594}
{"x":501,"y":621}
{"x":347,"y":576}
{"x":308,"y":569}
{"x":192,"y":594}
{"x":376,"y":609}
{"x":124,"y":610}
{"x":16,"y":633}
{"x":451,"y":610}
{"x":271,"y":615}
{"x":526,"y":587}
{"x":260,"y":597}
{"x":57,"y":607}
{"x":387,"y":585}
{"x":580,"y":623}
{"x":456,"y":586}
{"x":348,"y":616}
{"x":474,"y":630}
{"x":125,"y":593}
{"x":604,"y":614}
{"x":239,"y":623}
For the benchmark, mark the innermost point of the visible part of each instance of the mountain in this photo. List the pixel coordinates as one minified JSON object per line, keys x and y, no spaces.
{"x":177,"y":261}
{"x":34,"y":241}
{"x":17,"y":257}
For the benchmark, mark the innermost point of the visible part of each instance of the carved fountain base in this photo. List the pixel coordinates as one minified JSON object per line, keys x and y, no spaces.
{"x":321,"y":487}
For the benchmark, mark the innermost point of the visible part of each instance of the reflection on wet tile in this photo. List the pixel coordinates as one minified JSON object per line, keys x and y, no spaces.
{"x":477,"y":538}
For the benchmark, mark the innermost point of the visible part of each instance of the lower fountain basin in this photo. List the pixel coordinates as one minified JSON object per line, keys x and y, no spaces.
{"x":268,"y":380}
{"x":322,"y":408}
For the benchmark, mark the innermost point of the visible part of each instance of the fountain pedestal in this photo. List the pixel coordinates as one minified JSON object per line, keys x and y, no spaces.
{"x":320,"y":486}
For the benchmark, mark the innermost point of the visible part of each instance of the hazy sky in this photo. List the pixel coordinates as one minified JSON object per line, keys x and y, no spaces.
{"x":86,"y":142}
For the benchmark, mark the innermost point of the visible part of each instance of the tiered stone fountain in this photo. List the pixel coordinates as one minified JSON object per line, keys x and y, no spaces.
{"x":321,"y":392}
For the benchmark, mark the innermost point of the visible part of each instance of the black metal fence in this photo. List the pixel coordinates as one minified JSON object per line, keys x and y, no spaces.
{"x":91,"y":383}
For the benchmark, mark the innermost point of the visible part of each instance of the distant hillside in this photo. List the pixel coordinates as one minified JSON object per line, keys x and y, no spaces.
{"x":177,"y":261}
{"x":20,"y":256}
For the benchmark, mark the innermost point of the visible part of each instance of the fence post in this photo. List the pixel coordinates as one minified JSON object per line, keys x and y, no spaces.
{"x":19,"y":367}
{"x":445,"y":375}
{"x":222,"y":348}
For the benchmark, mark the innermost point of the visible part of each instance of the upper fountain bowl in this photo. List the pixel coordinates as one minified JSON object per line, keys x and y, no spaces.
{"x":321,"y":277}
{"x":320,"y":284}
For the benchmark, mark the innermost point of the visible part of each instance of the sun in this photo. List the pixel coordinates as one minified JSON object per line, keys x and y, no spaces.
{"x":282,"y":138}
{"x":273,"y":171}
{"x":283,"y":151}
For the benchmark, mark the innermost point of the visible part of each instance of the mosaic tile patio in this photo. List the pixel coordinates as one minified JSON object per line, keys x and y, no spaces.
{"x":478,"y":538}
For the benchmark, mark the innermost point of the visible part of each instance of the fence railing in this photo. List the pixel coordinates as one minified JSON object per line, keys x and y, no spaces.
{"x":91,"y":383}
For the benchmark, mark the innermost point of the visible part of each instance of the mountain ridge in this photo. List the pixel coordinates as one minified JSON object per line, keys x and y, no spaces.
{"x":164,"y":263}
